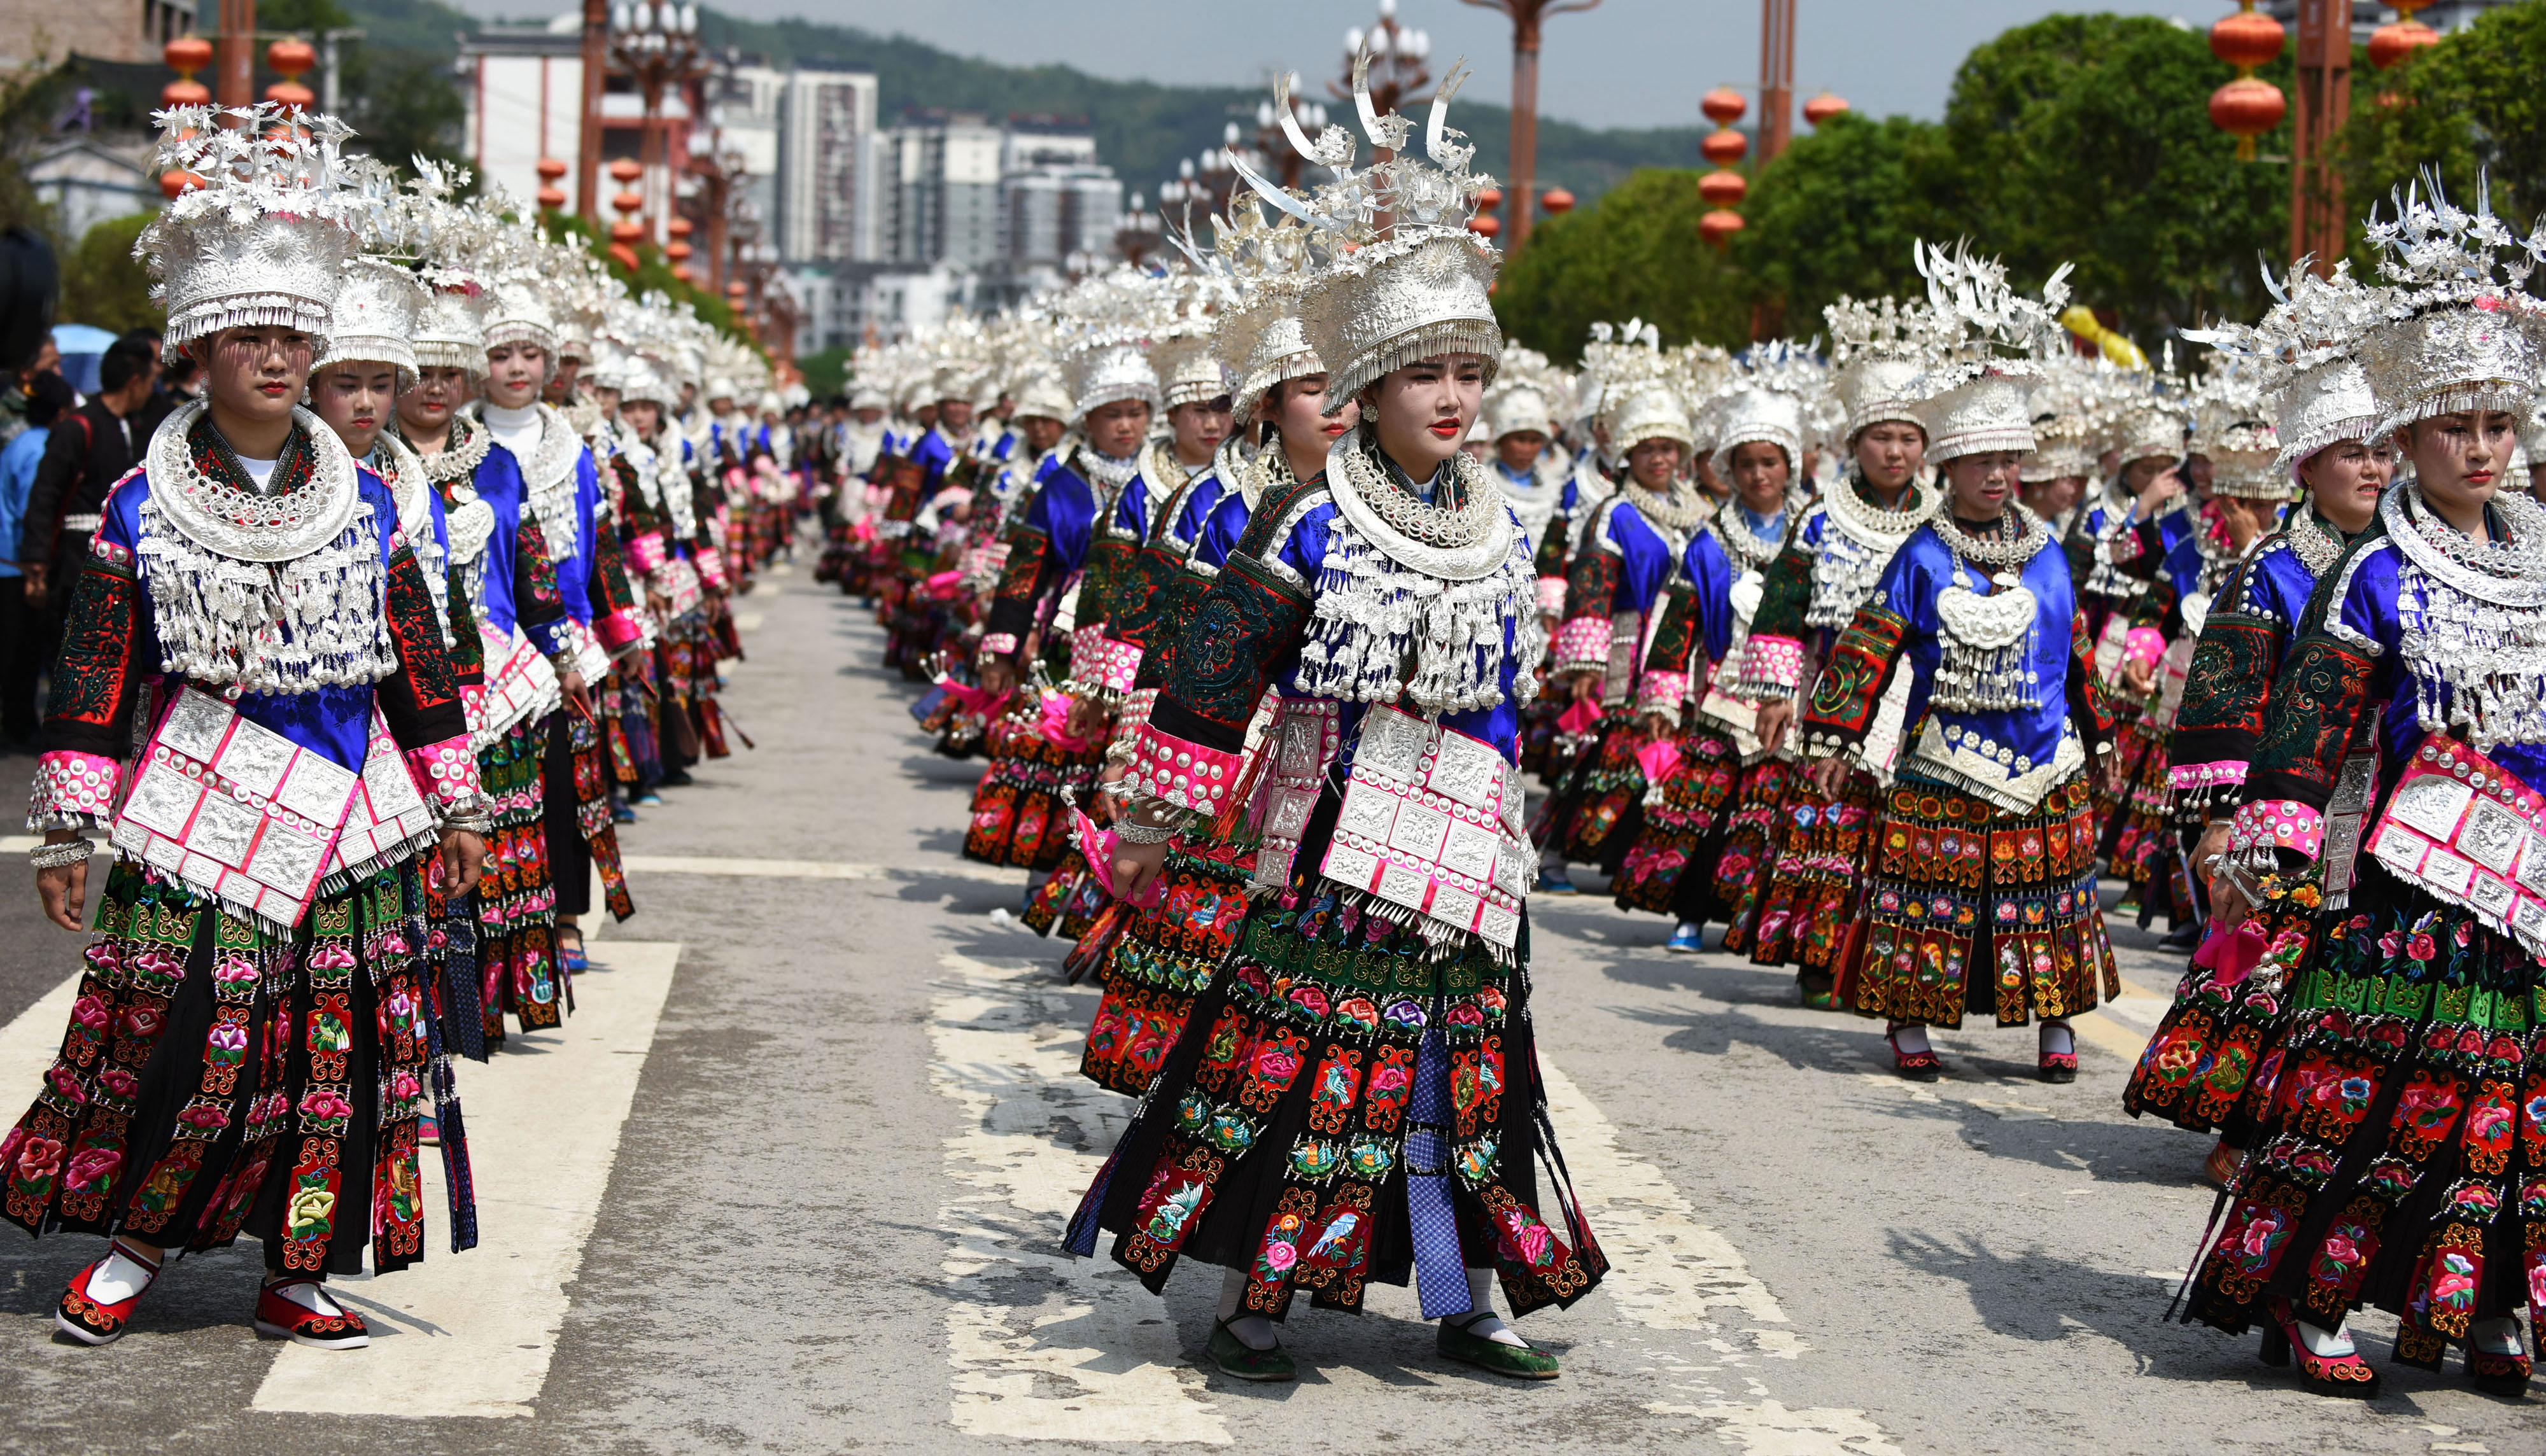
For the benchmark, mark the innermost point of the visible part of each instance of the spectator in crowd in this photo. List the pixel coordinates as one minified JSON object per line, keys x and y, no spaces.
{"x":90,"y":448}
{"x":25,"y":646}
{"x":161,"y":402}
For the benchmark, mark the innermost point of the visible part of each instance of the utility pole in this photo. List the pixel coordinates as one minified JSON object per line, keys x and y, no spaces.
{"x":236,"y":85}
{"x":1776,"y":77}
{"x":2317,"y":220}
{"x":587,"y":155}
{"x":330,"y":94}
{"x":1527,"y":16}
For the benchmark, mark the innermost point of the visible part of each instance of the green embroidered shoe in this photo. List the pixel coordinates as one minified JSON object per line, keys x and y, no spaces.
{"x":1235,"y":1358}
{"x":1520,"y":1362}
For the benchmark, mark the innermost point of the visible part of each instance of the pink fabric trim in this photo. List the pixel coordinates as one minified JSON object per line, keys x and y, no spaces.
{"x":68,"y":783}
{"x":2277,"y":823}
{"x":1776,"y":662}
{"x":711,"y":567}
{"x":645,"y":552}
{"x":447,"y":771}
{"x":1551,"y":595}
{"x":2144,"y":645}
{"x":1583,"y":643}
{"x":1662,"y":692}
{"x":2189,"y":776}
{"x":999,"y":643}
{"x":1186,"y":774}
{"x":619,"y":630}
{"x":1115,"y":666}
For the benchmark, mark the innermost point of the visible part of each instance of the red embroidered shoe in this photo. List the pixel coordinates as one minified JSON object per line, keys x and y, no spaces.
{"x":90,"y":1321}
{"x":2327,"y":1375}
{"x":1916,"y":1066}
{"x":284,"y":1318}
{"x":2502,"y":1373}
{"x":2057,"y":1067}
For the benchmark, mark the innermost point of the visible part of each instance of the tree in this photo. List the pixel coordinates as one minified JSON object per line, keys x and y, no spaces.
{"x":1835,"y":214}
{"x":1635,"y":253}
{"x":2464,"y":105}
{"x":104,"y":285}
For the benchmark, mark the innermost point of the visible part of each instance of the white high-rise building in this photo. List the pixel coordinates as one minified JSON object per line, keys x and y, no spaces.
{"x":826,"y":153}
{"x":941,"y":203}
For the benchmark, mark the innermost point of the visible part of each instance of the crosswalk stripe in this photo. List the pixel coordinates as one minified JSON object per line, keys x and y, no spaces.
{"x":473,"y":1332}
{"x":1110,"y":1369}
{"x":810,"y":869}
{"x":34,"y":1037}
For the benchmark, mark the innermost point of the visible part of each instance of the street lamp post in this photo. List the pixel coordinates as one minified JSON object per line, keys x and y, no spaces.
{"x":1526,"y":17}
{"x":587,"y":151}
{"x":1397,"y":73}
{"x":658,"y":46}
{"x":1776,"y":77}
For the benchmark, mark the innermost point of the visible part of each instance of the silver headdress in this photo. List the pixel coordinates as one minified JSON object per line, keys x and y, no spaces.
{"x":2229,"y":428}
{"x":2305,"y":357}
{"x":1880,"y":349}
{"x":1640,"y":400}
{"x":2458,"y":333}
{"x":1106,"y":324}
{"x":1780,"y":398}
{"x":1976,"y":397}
{"x":1182,"y":352}
{"x":374,"y":318}
{"x":262,"y":238}
{"x":1414,"y":290}
{"x":521,"y":315}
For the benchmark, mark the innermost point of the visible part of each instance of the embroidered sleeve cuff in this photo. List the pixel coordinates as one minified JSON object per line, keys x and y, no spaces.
{"x":2144,"y":645}
{"x":2269,"y":824}
{"x":1183,"y":773}
{"x":554,"y":639}
{"x":647,"y":552}
{"x":1551,"y":596}
{"x":447,"y":772}
{"x":1772,"y":669}
{"x":2203,"y":778}
{"x":711,"y":567}
{"x":1582,"y":645}
{"x":620,"y":631}
{"x":72,"y":790}
{"x":1663,"y":693}
{"x":1000,"y":645}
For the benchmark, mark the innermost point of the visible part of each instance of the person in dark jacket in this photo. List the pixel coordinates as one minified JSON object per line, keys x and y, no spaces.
{"x":89,"y":449}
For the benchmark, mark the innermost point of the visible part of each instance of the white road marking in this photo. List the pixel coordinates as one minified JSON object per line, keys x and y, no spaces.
{"x":808,"y":869}
{"x":33,"y":1038}
{"x":472,"y":1333}
{"x":1109,"y":1369}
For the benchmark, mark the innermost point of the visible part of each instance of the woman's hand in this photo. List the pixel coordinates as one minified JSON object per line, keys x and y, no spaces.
{"x":1774,"y":718}
{"x":1136,"y":868}
{"x":2167,"y":486}
{"x":1828,"y":776}
{"x":457,"y":863}
{"x":2139,"y":676}
{"x":63,"y":888}
{"x":998,"y":677}
{"x":1582,"y":685}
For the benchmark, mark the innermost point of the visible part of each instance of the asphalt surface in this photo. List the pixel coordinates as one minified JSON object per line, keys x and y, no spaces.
{"x":850,"y":1141}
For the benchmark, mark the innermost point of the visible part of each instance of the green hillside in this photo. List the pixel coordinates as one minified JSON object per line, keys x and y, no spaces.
{"x":1142,"y":128}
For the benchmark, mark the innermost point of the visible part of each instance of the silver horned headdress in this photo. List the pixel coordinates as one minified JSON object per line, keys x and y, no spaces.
{"x":262,"y":238}
{"x":2458,"y":332}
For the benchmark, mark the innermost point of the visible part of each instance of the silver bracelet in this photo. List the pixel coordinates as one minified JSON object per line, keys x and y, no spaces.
{"x":55,"y":856}
{"x":1131,"y":831}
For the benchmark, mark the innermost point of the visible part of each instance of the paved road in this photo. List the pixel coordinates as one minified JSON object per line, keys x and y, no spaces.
{"x":793,"y":1177}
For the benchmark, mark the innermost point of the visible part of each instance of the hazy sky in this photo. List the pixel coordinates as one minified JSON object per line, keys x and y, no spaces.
{"x":1625,"y":64}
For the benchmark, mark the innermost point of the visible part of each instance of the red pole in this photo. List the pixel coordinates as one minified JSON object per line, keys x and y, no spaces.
{"x":1776,"y":77}
{"x":2324,"y":97}
{"x":238,"y":53}
{"x":596,"y":60}
{"x":1521,"y":204}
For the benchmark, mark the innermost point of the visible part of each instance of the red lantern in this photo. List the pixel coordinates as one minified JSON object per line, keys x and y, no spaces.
{"x":2393,"y":44}
{"x":1489,"y":199}
{"x":681,"y":272}
{"x":290,"y":57}
{"x":623,"y":255}
{"x":552,"y":198}
{"x":677,"y":251}
{"x":173,"y":183}
{"x":629,"y":202}
{"x":551,"y":169}
{"x":1821,"y":108}
{"x":2248,"y":39}
{"x":624,"y":171}
{"x":1723,"y":189}
{"x":1718,"y":227}
{"x":627,"y":230}
{"x":1484,"y":226}
{"x":1724,"y":147}
{"x":1723,"y":106}
{"x":2247,"y":109}
{"x":681,"y":227}
{"x":186,"y":55}
{"x":1558,"y":200}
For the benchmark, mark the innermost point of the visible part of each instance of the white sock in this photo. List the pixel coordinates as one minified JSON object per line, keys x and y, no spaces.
{"x":2323,"y":1344}
{"x":1254,"y":1332}
{"x":1912,"y":1039}
{"x":1685,"y":927}
{"x":311,"y":1297}
{"x":2496,"y":1336}
{"x":119,"y":1277}
{"x":2058,"y":1040}
{"x":1487,"y":1325}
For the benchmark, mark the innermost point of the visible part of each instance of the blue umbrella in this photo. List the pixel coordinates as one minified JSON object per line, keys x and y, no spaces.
{"x":82,"y":346}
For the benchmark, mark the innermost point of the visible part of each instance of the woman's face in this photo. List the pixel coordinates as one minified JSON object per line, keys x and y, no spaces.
{"x":355,"y":396}
{"x":1654,"y":463}
{"x":2344,"y":480}
{"x":437,"y":393}
{"x":1981,"y":483}
{"x":1519,"y":450}
{"x":644,"y":416}
{"x":1042,"y":431}
{"x":1888,"y":453}
{"x":1759,"y":475}
{"x":1422,"y":411}
{"x":2138,"y":472}
{"x":513,"y":374}
{"x":1116,"y":430}
{"x":1296,"y":405}
{"x":258,"y":372}
{"x":2459,"y":459}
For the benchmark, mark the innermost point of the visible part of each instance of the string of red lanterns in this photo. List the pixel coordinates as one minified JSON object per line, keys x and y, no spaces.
{"x":2247,"y":108}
